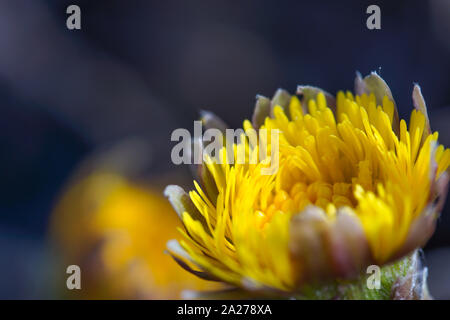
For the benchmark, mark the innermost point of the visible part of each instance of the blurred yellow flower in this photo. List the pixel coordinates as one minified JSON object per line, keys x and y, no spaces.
{"x":355,"y":187}
{"x":116,"y":231}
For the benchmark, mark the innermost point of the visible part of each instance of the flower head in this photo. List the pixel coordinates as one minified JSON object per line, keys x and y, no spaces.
{"x":355,"y":186}
{"x":116,"y":229}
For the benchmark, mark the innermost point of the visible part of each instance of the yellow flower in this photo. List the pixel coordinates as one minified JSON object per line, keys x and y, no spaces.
{"x":355,"y":187}
{"x":116,"y":231}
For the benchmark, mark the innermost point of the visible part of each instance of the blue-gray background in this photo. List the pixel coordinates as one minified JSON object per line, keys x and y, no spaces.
{"x":144,"y":68}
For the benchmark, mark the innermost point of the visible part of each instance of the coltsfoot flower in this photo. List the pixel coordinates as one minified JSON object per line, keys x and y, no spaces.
{"x":116,"y":230}
{"x":356,"y":186}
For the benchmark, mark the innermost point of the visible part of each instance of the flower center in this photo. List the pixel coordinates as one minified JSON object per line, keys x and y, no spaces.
{"x":328,"y":196}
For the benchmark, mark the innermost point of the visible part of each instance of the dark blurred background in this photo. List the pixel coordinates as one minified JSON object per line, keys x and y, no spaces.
{"x":143,"y":68}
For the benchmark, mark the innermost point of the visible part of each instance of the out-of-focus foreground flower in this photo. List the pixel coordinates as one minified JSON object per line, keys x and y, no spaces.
{"x":116,"y":231}
{"x":355,"y":187}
